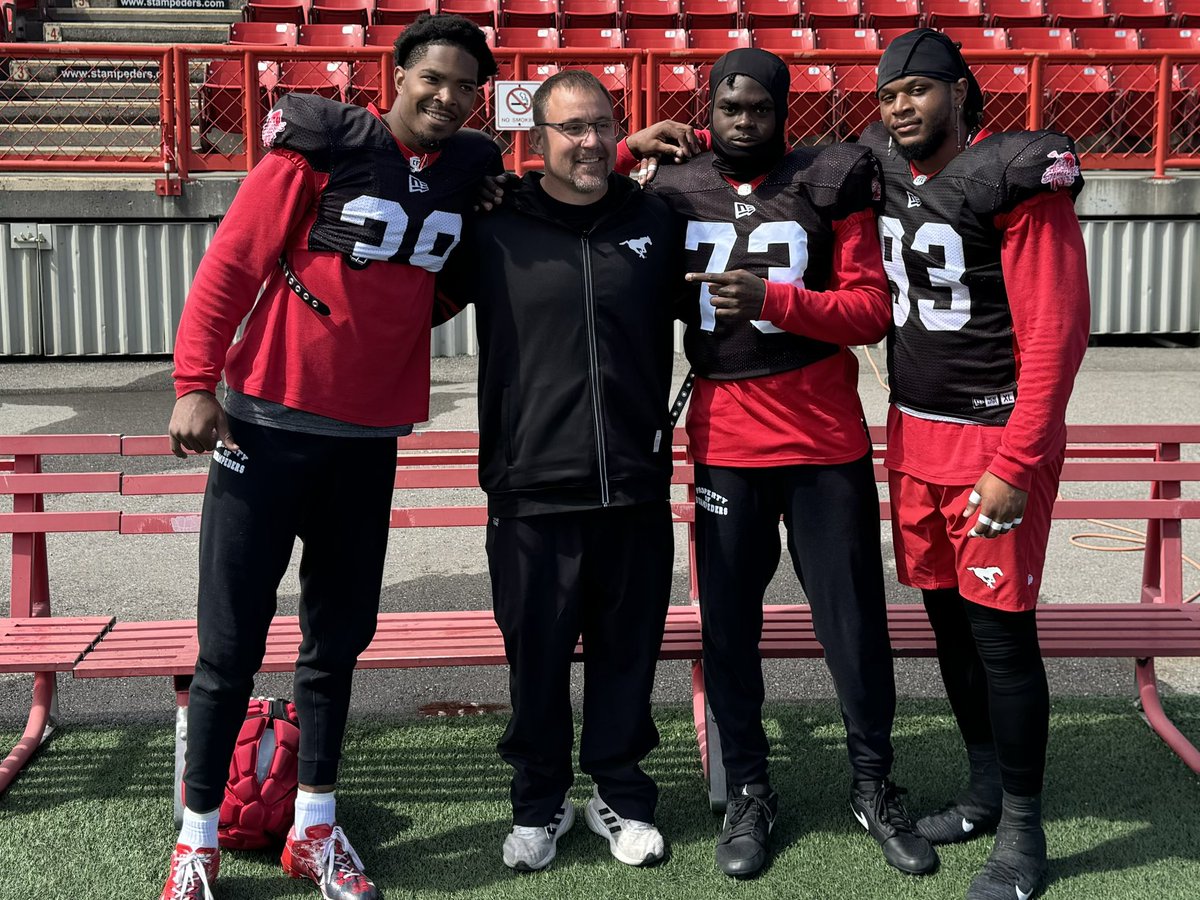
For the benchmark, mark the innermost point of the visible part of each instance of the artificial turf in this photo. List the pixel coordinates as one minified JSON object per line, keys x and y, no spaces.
{"x":425,"y":802}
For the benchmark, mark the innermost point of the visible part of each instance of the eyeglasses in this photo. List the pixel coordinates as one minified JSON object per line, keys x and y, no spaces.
{"x":578,"y":131}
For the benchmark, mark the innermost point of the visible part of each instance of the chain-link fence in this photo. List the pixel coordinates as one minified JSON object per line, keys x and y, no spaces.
{"x":99,"y":107}
{"x":189,"y":108}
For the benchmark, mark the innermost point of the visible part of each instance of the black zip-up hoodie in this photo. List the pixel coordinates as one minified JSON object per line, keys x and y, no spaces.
{"x":575,"y":350}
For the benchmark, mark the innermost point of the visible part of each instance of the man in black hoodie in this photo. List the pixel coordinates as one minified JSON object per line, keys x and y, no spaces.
{"x":573,"y":280}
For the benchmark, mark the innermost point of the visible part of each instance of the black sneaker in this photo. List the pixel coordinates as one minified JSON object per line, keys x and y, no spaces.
{"x":877,"y":806}
{"x":1011,"y":873}
{"x":958,"y":822}
{"x":749,"y":817}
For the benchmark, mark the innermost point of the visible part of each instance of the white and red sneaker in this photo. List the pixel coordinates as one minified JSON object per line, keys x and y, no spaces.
{"x":326,"y":857}
{"x":193,"y":871}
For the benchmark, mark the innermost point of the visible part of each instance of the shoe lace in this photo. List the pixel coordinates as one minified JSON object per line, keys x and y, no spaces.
{"x":744,"y":813}
{"x":190,"y":871}
{"x":889,"y":807}
{"x":338,"y":859}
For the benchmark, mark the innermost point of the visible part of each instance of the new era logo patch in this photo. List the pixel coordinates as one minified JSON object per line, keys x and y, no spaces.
{"x":416,"y":185}
{"x":913,"y":199}
{"x":741,"y":210}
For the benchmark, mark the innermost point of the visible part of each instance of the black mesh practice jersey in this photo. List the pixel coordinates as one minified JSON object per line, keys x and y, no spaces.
{"x":950,"y":353}
{"x":781,"y":231}
{"x":377,"y":205}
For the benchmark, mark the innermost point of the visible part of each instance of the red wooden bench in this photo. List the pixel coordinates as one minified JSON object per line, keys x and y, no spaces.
{"x":1140,"y":623}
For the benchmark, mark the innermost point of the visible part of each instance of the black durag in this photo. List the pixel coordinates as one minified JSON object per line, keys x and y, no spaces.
{"x":747,"y":163}
{"x":931,"y":54}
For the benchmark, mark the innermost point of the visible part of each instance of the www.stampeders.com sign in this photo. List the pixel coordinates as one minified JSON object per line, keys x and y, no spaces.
{"x":173,"y":4}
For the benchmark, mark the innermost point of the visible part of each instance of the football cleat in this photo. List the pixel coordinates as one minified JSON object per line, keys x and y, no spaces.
{"x":957,"y":823}
{"x":877,"y":806}
{"x":325,"y":857}
{"x":750,"y":814}
{"x":193,"y":872}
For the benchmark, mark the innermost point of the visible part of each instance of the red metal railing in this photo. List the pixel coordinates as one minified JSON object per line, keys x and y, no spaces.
{"x":188,"y":109}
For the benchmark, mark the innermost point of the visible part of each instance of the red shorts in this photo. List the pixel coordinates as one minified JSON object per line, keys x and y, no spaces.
{"x":929,"y":533}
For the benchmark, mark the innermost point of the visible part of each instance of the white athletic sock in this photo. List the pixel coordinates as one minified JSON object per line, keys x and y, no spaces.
{"x":314,"y":809}
{"x":199,"y":829}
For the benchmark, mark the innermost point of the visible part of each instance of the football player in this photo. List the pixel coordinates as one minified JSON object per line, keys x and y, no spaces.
{"x":989,"y":287}
{"x":783,"y":244}
{"x":344,"y":224}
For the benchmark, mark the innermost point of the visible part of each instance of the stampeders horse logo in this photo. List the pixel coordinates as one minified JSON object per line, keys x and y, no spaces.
{"x":272,"y":125}
{"x":1063,"y":171}
{"x":638,"y":245}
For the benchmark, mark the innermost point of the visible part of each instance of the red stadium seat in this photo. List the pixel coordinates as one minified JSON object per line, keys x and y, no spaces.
{"x":277,"y":34}
{"x":855,"y":105}
{"x":401,"y":12}
{"x":331,"y":36}
{"x":529,"y":14}
{"x":591,"y":13}
{"x":847,"y":39}
{"x":681,"y":93}
{"x":718,"y":39}
{"x":1040,"y":38}
{"x":652,"y":13}
{"x":342,"y":12}
{"x":656,"y":38}
{"x":966,"y":13}
{"x":1077,"y":13}
{"x":1107,"y":39}
{"x":481,"y":12}
{"x":1080,"y":99}
{"x":1137,"y":100}
{"x":810,"y":105}
{"x":1005,"y":95}
{"x":891,"y":13}
{"x":784,"y":40}
{"x":771,"y":13}
{"x":1017,"y":13}
{"x":383,"y":35}
{"x":1171,"y":38}
{"x":529,"y":38}
{"x":327,"y":78}
{"x":593,"y":38}
{"x":979,"y":38}
{"x":1140,"y":13}
{"x":294,"y":11}
{"x":1187,"y":12}
{"x":831,"y":13}
{"x":221,"y":96}
{"x":708,"y":13}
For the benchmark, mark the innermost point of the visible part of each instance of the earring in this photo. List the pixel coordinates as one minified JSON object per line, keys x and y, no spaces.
{"x":957,"y":127}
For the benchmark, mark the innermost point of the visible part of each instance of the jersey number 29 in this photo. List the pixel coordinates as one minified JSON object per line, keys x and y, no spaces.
{"x":395,"y":221}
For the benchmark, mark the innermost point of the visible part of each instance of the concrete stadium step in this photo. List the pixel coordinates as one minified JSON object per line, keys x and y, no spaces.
{"x":82,"y":140}
{"x":78,"y":90}
{"x":80,"y":112}
{"x":148,"y":16}
{"x":136,"y":33}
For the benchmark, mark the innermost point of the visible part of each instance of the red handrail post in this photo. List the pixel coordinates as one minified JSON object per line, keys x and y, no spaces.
{"x":1036,"y":94}
{"x":250,"y":108}
{"x":1162,"y":124}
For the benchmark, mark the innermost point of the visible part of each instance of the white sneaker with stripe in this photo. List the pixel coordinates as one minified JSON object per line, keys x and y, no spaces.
{"x":630,"y":841}
{"x":530,"y":848}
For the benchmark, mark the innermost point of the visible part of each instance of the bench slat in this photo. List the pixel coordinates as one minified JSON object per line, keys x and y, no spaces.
{"x":59,"y":444}
{"x":61,"y":483}
{"x":24,"y":646}
{"x":58,"y":522}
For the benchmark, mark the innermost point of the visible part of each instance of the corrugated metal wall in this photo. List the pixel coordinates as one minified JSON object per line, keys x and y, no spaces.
{"x":1145,"y":276}
{"x":118,"y":289}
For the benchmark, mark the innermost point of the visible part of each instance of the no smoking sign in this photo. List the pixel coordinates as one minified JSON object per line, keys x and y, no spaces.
{"x":514,"y":105}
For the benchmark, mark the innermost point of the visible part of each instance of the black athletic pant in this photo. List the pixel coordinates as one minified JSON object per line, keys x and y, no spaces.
{"x":604,"y":574}
{"x":334,"y":493}
{"x":832,"y":519}
{"x":996,"y":681}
